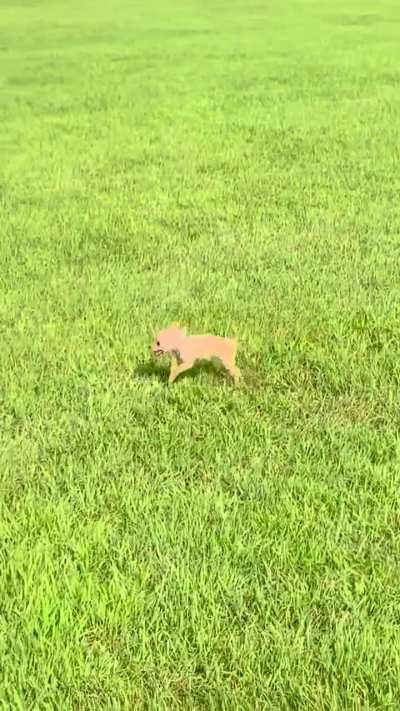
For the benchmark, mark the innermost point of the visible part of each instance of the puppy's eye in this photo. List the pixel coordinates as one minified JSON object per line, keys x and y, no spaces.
{"x":158,"y":343}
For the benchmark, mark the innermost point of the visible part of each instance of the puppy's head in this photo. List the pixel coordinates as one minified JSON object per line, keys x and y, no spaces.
{"x":169,"y":339}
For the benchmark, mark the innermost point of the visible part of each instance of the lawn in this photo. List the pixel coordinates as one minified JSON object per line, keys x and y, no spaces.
{"x":234,"y":166}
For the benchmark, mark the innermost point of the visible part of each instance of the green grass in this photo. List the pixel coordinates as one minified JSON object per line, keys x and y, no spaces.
{"x":234,"y":166}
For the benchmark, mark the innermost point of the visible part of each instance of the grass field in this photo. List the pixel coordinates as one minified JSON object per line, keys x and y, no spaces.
{"x":235,"y":166}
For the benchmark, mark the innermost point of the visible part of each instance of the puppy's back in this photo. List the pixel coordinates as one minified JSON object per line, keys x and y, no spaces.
{"x":208,"y":346}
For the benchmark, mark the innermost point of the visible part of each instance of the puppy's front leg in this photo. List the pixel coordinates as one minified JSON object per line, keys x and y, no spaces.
{"x":172,"y":373}
{"x":174,"y":366}
{"x":178,"y":369}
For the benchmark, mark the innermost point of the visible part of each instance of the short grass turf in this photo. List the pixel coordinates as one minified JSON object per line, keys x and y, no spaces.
{"x":233,"y":165}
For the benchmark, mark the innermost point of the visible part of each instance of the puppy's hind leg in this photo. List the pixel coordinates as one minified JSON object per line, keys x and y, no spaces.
{"x":232,"y":369}
{"x":234,"y":372}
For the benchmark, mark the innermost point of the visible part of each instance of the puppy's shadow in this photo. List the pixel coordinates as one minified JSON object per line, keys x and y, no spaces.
{"x":150,"y":369}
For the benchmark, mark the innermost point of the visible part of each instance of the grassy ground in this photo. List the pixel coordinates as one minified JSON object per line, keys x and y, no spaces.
{"x":233,"y":165}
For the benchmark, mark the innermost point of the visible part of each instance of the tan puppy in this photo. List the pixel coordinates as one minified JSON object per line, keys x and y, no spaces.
{"x":186,"y":350}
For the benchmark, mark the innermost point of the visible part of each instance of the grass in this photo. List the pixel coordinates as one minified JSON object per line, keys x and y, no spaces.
{"x":234,"y":166}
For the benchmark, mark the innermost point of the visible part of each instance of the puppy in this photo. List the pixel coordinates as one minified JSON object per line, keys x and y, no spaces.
{"x":186,"y":350}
